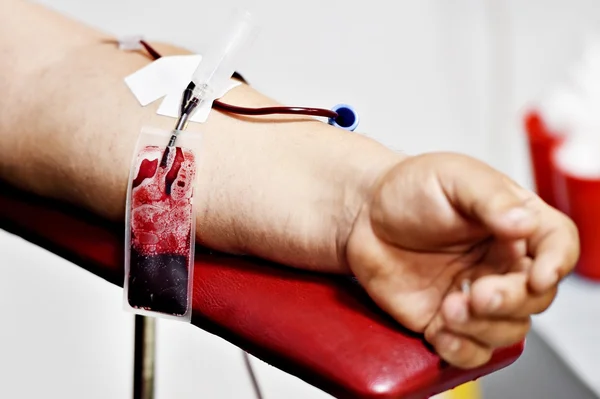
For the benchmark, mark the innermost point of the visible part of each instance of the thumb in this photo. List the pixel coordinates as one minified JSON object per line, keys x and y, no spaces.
{"x":489,"y":197}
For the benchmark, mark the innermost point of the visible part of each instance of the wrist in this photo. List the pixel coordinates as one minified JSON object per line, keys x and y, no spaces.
{"x":287,"y":191}
{"x":364,"y":176}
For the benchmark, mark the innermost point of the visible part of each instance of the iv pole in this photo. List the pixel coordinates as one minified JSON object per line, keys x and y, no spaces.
{"x":144,"y":357}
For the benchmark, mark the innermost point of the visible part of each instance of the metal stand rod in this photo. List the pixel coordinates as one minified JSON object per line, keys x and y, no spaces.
{"x":257,"y":391}
{"x":144,"y":357}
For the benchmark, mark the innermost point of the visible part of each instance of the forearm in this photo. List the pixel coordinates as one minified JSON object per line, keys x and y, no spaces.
{"x":73,"y":124}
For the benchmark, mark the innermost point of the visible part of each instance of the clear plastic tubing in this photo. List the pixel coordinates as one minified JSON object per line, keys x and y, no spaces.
{"x":220,"y":62}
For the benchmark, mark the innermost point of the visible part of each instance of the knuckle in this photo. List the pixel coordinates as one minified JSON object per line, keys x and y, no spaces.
{"x":572,"y":232}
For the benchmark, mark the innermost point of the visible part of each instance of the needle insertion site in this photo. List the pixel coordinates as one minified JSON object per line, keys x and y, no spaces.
{"x":215,"y":69}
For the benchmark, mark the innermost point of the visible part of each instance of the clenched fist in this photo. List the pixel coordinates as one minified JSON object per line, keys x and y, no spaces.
{"x":453,"y":248}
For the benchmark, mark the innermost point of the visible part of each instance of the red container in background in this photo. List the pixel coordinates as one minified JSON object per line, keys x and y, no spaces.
{"x":580,"y":199}
{"x":577,"y":197}
{"x":542,"y":143}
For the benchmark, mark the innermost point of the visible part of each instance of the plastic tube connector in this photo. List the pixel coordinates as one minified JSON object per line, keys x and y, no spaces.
{"x":347,"y":117}
{"x":219,"y":63}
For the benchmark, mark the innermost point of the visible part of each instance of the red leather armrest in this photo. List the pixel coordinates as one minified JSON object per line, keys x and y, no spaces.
{"x":322,"y":329}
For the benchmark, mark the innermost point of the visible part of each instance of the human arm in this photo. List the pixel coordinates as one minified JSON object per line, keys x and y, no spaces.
{"x":74,"y":133}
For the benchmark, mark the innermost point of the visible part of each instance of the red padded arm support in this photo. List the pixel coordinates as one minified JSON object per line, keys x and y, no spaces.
{"x":323,"y":329}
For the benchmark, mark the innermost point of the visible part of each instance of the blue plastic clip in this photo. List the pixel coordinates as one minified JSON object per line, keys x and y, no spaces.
{"x":347,"y":117}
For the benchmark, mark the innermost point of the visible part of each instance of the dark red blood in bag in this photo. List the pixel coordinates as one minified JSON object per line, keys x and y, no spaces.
{"x":159,"y":283}
{"x":161,"y":226}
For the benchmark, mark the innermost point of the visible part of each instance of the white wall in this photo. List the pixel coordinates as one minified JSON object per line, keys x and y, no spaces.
{"x":424,"y":75}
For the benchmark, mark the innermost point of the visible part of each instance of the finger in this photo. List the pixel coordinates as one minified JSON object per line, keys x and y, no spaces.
{"x":555,"y":250}
{"x":454,"y":318}
{"x":490,"y":198}
{"x":507,"y":296}
{"x":522,"y":264}
{"x":486,"y":331}
{"x":492,"y":332}
{"x":434,"y":327}
{"x":503,"y":256}
{"x":460,"y":351}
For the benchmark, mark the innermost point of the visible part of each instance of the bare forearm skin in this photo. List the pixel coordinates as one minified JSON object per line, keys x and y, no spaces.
{"x":285,"y":188}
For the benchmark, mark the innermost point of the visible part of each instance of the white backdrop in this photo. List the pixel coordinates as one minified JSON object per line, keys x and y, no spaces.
{"x":424,"y":76}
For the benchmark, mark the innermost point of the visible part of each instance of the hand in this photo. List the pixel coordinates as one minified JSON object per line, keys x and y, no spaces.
{"x":436,"y":222}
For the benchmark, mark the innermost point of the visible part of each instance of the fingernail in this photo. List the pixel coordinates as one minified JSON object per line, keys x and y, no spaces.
{"x":454,"y":345}
{"x":495,"y":302}
{"x":459,"y":315}
{"x":450,"y":343}
{"x":518,"y":215}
